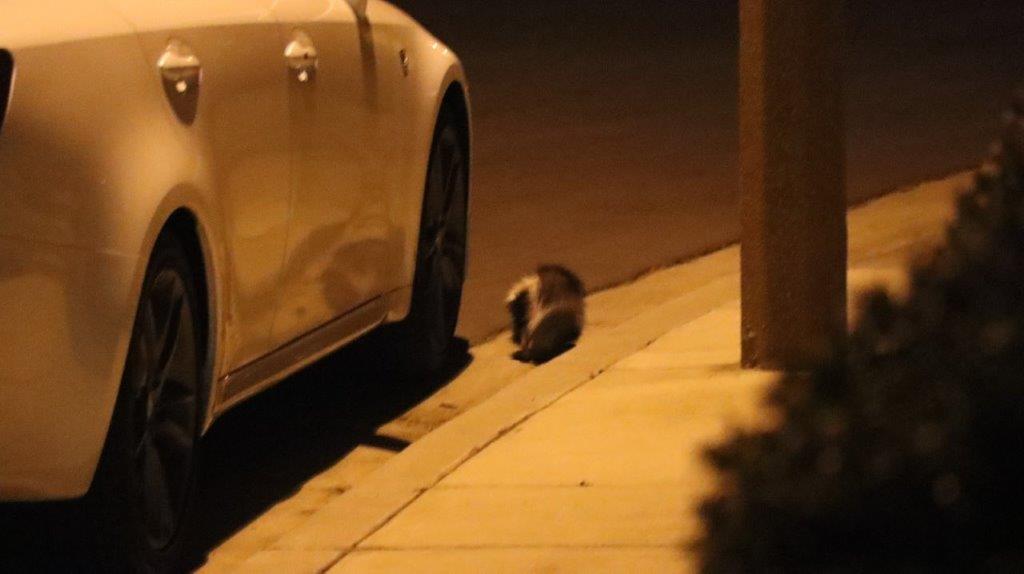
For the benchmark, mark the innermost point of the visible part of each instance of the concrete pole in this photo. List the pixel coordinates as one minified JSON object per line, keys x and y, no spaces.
{"x":792,"y":182}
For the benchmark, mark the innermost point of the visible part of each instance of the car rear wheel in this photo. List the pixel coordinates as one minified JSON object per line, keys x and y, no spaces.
{"x":441,"y":253}
{"x":147,"y":471}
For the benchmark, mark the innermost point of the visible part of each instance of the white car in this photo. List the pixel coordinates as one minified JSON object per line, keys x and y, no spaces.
{"x":197,"y":198}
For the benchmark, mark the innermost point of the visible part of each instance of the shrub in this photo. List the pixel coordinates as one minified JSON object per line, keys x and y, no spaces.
{"x":908,"y":455}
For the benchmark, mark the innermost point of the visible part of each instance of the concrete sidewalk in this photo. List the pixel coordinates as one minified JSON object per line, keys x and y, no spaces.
{"x":590,"y":463}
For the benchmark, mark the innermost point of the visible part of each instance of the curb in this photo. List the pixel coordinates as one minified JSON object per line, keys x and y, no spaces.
{"x":335,"y":529}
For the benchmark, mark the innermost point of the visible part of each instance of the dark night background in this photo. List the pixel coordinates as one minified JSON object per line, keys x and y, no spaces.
{"x":606,"y":132}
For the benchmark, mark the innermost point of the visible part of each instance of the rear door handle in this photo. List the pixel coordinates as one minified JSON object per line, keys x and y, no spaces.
{"x":301,"y":56}
{"x":180,"y":67}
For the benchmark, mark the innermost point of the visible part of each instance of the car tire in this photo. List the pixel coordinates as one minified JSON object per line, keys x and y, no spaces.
{"x":425,"y":336}
{"x":144,"y":484}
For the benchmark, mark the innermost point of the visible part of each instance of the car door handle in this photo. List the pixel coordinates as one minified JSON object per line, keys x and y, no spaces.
{"x":179,"y":66}
{"x":301,"y":56}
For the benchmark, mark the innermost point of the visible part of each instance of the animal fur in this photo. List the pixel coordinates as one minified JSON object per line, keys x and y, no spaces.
{"x":547,"y":311}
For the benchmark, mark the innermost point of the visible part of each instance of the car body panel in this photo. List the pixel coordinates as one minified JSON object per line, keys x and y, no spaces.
{"x":68,"y":257}
{"x":63,"y":345}
{"x":337,"y":239}
{"x":239,"y":143}
{"x":94,"y":160}
{"x":409,"y":107}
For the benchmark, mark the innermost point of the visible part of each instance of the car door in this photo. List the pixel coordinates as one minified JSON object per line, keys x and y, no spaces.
{"x":219,"y":63}
{"x":337,"y":243}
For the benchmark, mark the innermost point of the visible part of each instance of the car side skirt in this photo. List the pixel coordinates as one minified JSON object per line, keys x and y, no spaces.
{"x":263,"y":373}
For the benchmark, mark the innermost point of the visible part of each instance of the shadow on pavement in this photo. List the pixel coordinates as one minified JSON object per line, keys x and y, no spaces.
{"x":264,"y":450}
{"x":259,"y":453}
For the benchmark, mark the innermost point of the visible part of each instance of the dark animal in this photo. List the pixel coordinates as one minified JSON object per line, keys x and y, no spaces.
{"x":547,"y":311}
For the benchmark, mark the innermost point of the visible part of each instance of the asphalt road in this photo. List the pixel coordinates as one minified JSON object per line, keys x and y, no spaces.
{"x":606,"y":132}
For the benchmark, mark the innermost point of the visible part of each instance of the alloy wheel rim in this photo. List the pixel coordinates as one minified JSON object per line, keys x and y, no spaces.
{"x":164,"y":385}
{"x":445,"y":233}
